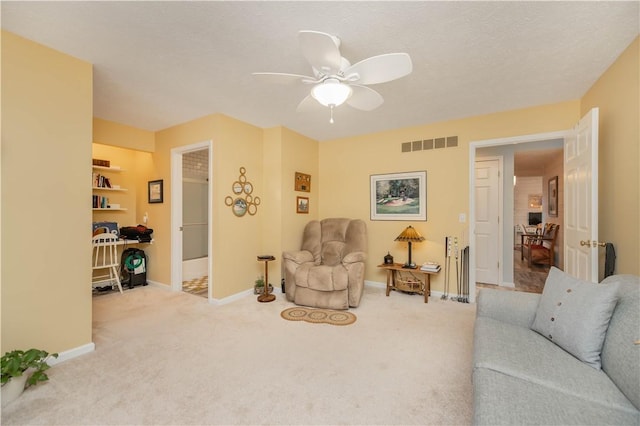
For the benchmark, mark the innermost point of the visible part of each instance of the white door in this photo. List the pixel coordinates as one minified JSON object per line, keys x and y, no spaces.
{"x":487,"y":220}
{"x":581,"y":199}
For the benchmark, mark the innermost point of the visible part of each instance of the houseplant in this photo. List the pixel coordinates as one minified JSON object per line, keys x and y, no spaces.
{"x":21,"y":369}
{"x":258,"y":288}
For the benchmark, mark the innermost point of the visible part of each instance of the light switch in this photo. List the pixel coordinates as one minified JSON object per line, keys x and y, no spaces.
{"x":462,"y":218}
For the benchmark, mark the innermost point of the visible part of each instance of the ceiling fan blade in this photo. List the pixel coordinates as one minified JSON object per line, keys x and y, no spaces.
{"x":381,"y":68}
{"x":321,"y":50}
{"x":282,"y":78}
{"x":308,"y":104}
{"x":364,"y":98}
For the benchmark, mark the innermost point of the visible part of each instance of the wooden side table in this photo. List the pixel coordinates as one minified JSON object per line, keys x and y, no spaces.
{"x":266,"y":296}
{"x":409,"y":281}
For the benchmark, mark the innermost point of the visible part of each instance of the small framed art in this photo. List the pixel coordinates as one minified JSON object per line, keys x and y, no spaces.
{"x":155,"y":191}
{"x":302,"y":204}
{"x":302,"y":182}
{"x":553,"y":196}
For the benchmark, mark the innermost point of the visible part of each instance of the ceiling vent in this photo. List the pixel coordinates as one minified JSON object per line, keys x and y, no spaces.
{"x":427,"y":144}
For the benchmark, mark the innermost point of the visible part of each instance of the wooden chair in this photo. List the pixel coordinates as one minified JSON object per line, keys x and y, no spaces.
{"x":105,"y":256}
{"x":540,"y":249}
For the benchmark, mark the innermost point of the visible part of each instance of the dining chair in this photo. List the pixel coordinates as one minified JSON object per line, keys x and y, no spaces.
{"x":105,"y":257}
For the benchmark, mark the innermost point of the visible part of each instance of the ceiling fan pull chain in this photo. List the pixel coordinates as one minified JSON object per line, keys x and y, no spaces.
{"x":331,"y":110}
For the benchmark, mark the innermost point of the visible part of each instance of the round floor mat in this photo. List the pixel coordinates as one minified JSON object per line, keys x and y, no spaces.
{"x":318,"y":316}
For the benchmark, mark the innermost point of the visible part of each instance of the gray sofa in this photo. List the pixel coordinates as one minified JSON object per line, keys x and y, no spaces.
{"x":521,"y":376}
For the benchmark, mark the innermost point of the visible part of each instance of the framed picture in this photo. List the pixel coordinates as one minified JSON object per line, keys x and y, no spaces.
{"x":553,"y":196}
{"x":155,"y":191}
{"x":302,"y":182}
{"x":399,"y":196}
{"x":302,"y":204}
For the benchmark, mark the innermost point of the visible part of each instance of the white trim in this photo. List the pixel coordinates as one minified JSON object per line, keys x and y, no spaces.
{"x":176,"y":214}
{"x":238,"y":296}
{"x":509,"y":285}
{"x":375,"y":284}
{"x":158,"y":284}
{"x":473,"y":145}
{"x":72,"y":353}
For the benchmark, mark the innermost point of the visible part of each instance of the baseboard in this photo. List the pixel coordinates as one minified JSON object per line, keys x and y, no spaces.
{"x":159,"y":285}
{"x":375,"y":284}
{"x":432,"y":295}
{"x":507,"y":284}
{"x":241,"y":295}
{"x":72,"y":353}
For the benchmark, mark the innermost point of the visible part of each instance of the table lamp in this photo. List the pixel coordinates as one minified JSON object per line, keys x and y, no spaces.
{"x":410,"y":235}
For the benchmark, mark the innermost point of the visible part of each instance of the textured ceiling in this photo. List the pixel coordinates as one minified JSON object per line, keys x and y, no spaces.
{"x":157,"y":64}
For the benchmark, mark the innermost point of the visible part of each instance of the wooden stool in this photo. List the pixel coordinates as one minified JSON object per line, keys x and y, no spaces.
{"x":265,"y":296}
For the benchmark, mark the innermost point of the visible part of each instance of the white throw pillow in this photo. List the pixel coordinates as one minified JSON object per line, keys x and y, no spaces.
{"x":575,"y":315}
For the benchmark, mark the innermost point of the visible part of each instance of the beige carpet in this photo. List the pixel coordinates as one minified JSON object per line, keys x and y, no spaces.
{"x":171,"y":358}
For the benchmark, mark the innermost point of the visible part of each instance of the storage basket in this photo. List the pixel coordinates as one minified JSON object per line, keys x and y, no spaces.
{"x":408,"y":284}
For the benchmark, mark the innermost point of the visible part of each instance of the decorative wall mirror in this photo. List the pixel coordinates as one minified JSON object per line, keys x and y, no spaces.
{"x":242,"y":202}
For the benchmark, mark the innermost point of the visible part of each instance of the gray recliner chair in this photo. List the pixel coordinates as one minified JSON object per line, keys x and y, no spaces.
{"x":328,"y":272}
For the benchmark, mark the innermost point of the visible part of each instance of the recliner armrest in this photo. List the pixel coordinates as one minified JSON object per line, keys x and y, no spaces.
{"x":354,"y":257}
{"x":299,"y":257}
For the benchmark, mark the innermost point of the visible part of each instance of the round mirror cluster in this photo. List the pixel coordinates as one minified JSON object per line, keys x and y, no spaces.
{"x":242,"y":202}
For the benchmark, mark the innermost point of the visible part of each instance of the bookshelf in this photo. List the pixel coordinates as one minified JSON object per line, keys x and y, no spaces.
{"x":102,"y":185}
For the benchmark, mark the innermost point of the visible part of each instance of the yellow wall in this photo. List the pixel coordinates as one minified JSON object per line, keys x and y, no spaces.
{"x":237,"y":240}
{"x":298,"y":154}
{"x":346,"y":165}
{"x":617,"y":94}
{"x":112,"y":133}
{"x":128,"y":178}
{"x":46,"y":208}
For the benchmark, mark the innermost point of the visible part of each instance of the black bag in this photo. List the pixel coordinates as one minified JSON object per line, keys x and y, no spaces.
{"x":133,"y":267}
{"x":140,"y":233}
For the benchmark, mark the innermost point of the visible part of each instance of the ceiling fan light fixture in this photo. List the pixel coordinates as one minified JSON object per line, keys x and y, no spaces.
{"x":331,"y":92}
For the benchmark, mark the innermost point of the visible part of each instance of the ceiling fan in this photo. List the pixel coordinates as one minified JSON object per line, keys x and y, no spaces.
{"x":335,"y":81}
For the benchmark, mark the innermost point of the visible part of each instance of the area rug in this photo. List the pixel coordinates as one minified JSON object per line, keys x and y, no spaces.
{"x":318,"y":316}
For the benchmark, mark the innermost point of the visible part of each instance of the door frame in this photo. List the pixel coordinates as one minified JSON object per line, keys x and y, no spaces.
{"x":176,"y":214}
{"x":500,"y":159}
{"x":473,"y":145}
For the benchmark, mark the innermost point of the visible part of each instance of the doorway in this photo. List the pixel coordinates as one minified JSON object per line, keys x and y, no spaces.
{"x":195,"y":222}
{"x":191,"y":207}
{"x":505,"y":148}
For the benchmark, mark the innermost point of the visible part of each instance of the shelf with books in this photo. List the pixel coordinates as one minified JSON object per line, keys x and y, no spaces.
{"x":101,"y":184}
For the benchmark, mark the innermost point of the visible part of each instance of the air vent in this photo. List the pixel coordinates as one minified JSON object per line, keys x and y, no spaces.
{"x":428,"y":144}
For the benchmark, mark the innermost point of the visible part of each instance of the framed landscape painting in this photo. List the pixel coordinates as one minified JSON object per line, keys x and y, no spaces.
{"x":399,"y":196}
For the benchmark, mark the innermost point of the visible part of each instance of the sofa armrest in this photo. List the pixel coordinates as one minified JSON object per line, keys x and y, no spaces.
{"x":354,"y":257}
{"x":512,"y":307}
{"x":299,"y":257}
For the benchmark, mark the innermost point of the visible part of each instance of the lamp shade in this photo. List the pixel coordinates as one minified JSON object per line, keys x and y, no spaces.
{"x":410,"y":235}
{"x":331,"y":92}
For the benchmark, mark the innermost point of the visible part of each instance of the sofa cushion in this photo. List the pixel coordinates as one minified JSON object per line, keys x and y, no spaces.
{"x":575,"y":314}
{"x":620,"y":354}
{"x":501,"y":399}
{"x":522,"y":353}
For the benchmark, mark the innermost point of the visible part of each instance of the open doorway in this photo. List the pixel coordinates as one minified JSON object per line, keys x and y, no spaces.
{"x":536,"y":167}
{"x":191,"y":198}
{"x":505,"y":240}
{"x":195,"y":222}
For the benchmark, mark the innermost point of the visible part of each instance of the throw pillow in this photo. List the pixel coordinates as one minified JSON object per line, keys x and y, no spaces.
{"x":575,"y":314}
